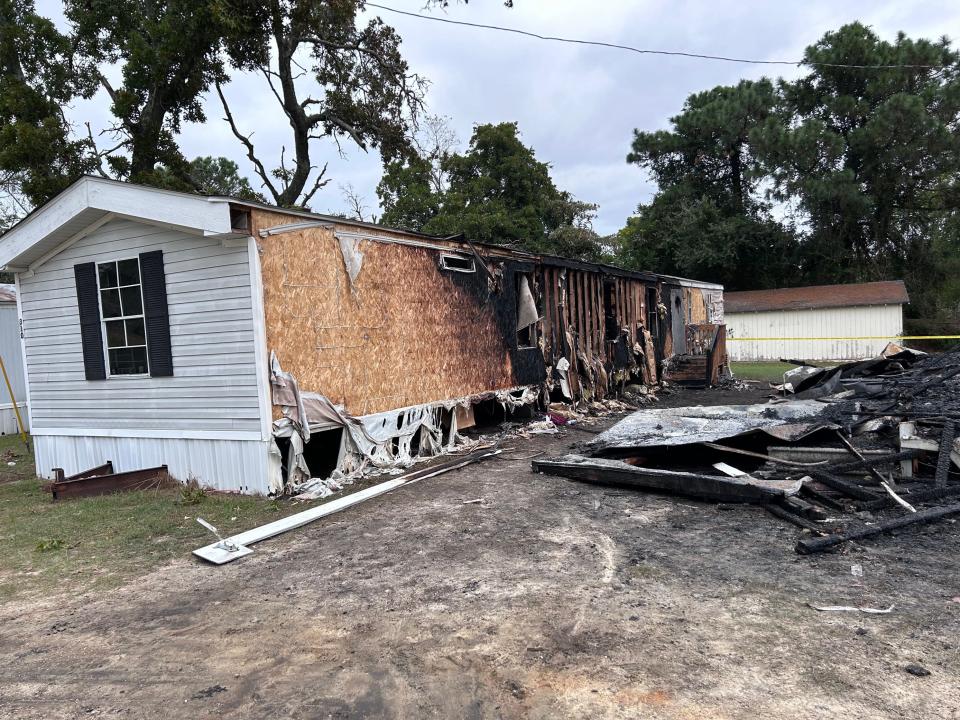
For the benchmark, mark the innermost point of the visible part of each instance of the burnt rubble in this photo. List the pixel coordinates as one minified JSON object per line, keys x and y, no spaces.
{"x":859,"y":449}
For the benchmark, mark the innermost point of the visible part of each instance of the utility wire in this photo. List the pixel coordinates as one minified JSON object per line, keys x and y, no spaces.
{"x":643,"y":51}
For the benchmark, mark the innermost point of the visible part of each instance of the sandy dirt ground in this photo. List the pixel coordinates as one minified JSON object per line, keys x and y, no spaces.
{"x":548,"y":599}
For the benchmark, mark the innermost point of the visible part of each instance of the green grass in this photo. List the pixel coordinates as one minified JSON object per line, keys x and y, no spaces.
{"x":102,"y":542}
{"x":763,"y":371}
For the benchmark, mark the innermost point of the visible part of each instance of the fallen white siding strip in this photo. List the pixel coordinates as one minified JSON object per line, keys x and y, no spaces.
{"x":223,"y":551}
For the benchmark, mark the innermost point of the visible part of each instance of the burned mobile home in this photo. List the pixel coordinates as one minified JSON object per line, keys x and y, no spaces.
{"x":252,"y":348}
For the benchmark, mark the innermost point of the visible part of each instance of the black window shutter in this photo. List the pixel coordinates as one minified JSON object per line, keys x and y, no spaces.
{"x":154,"y":282}
{"x":91,"y":336}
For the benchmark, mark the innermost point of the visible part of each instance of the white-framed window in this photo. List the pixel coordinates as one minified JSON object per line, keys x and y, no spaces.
{"x":121,"y":313}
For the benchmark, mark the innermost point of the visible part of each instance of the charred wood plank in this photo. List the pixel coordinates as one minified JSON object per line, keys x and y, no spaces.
{"x":943,"y":459}
{"x":705,"y":487}
{"x":811,"y":492}
{"x":808,"y":546}
{"x":803,"y":508}
{"x":867,"y":462}
{"x":800,"y":522}
{"x":847,"y":488}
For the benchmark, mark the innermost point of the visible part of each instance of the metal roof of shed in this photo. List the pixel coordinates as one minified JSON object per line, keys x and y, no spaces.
{"x":886,"y":292}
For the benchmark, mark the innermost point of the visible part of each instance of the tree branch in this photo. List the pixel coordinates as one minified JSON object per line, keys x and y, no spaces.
{"x":317,"y":185}
{"x":251,"y":154}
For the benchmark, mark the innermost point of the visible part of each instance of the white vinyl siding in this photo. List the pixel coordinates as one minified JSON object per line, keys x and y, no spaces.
{"x":819,"y":330}
{"x":214,"y":385}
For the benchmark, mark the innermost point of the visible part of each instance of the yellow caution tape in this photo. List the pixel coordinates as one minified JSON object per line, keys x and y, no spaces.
{"x":866,"y":337}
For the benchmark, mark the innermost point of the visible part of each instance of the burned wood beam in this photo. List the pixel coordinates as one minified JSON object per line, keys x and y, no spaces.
{"x":705,"y":487}
{"x":811,"y":492}
{"x":794,"y":519}
{"x":867,"y":462}
{"x":847,"y":488}
{"x":946,"y":446}
{"x":807,"y":546}
{"x":803,"y":508}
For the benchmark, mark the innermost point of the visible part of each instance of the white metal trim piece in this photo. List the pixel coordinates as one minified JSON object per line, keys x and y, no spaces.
{"x":260,"y":339}
{"x":236,"y":546}
{"x":392,"y":240}
{"x":218,"y":554}
{"x":293,"y":227}
{"x":95,"y":225}
{"x":172,"y":434}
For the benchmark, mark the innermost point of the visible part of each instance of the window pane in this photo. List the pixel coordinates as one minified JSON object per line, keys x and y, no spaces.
{"x":128,"y":361}
{"x":132,"y":304}
{"x":115,"y":336}
{"x":110,"y":303}
{"x":129,"y":272}
{"x":108,"y":274}
{"x":135,"y":333}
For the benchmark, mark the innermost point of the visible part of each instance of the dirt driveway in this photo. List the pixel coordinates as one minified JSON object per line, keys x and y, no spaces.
{"x":549,"y":599}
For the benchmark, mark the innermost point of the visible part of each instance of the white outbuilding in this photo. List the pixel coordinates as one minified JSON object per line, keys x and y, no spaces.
{"x":11,"y":353}
{"x":821,"y":322}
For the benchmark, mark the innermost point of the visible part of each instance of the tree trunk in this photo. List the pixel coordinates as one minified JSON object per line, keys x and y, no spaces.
{"x":736,"y":177}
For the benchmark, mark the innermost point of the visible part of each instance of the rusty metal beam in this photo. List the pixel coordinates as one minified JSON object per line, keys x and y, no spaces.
{"x":91,"y":485}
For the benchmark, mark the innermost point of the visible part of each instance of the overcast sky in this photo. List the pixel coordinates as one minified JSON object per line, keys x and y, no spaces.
{"x":576,"y":106}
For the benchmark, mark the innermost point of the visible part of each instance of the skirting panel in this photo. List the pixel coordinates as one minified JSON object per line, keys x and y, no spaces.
{"x":232,"y":465}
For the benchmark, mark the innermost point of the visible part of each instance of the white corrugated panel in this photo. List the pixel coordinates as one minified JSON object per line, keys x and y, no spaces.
{"x":820,"y":334}
{"x":234,"y":465}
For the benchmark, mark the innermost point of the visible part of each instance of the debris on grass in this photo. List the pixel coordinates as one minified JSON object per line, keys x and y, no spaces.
{"x":192,"y":493}
{"x":851,"y":608}
{"x":50,"y":544}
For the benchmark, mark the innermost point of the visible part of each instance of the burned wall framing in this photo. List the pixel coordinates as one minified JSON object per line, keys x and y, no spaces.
{"x":410,"y":330}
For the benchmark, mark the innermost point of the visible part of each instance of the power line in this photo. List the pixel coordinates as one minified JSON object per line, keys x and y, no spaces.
{"x":644,"y":51}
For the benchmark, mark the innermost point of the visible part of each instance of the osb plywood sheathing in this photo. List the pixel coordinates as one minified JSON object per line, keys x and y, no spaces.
{"x":405,"y":335}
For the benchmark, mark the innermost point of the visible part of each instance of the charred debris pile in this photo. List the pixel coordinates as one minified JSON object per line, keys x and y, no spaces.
{"x":853,"y":451}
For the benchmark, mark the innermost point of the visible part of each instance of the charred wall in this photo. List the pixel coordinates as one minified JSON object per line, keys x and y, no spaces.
{"x":404,"y":332}
{"x":410,"y":329}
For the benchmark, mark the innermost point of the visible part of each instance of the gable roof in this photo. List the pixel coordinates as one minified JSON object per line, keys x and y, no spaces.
{"x":91,"y":201}
{"x":886,"y":292}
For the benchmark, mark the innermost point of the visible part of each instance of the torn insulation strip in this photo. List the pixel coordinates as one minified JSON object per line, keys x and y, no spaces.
{"x":372,"y":443}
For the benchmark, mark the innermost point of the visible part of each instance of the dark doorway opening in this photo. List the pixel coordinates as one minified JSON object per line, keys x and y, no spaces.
{"x":322,"y":451}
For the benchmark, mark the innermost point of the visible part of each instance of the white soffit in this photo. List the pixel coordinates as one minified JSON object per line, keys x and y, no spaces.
{"x":90,"y":199}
